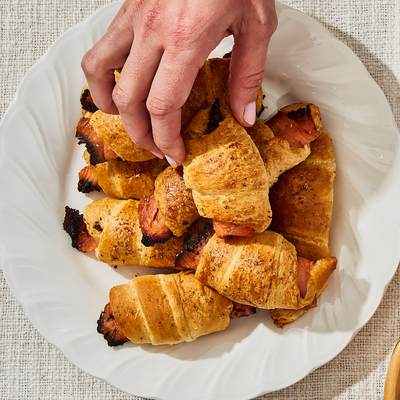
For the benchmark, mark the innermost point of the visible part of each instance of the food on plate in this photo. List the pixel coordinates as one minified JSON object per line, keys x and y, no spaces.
{"x":175,"y":201}
{"x":262,"y":271}
{"x":299,"y":124}
{"x":210,"y":85}
{"x":165,"y":309}
{"x":113,"y":225}
{"x":224,"y":170}
{"x":302,"y":201}
{"x":152,"y":224}
{"x":249,"y":210}
{"x":125,"y":179}
{"x":227,"y":177}
{"x":87,"y":104}
{"x":112,"y":131}
{"x":276,"y":150}
{"x":87,"y":181}
{"x":170,"y":211}
{"x":99,"y":152}
{"x":75,"y":226}
{"x":189,"y":257}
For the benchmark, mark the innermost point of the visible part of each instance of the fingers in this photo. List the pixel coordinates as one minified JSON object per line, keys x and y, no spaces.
{"x":107,"y":55}
{"x":247,"y":66}
{"x":170,"y":88}
{"x":131,"y":92}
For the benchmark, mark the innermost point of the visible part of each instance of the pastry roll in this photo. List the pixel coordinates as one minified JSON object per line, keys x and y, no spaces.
{"x":111,"y":129}
{"x":114,"y":225}
{"x":227,"y":177}
{"x":262,"y":271}
{"x":125,"y":179}
{"x":168,"y":309}
{"x":211,"y":84}
{"x":302,"y":201}
{"x":175,"y":201}
{"x":276,"y":152}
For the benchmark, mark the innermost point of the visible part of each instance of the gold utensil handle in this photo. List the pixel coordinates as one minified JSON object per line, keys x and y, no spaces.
{"x":392,"y":383}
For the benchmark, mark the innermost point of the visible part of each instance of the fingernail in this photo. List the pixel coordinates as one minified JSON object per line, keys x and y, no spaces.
{"x":249,"y":114}
{"x":171,"y":162}
{"x":157,"y":155}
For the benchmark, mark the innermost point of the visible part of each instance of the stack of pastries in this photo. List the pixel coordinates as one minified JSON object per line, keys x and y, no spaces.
{"x":244,"y":222}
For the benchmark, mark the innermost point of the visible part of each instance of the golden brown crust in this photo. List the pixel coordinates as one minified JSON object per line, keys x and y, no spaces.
{"x":277,"y":154}
{"x":125,"y":179}
{"x":212,"y":83}
{"x":115,"y":225}
{"x":302,"y":200}
{"x":260,"y":271}
{"x":112,"y":131}
{"x":282,"y":317}
{"x":175,"y":201}
{"x":168,"y":309}
{"x":314,"y":111}
{"x":227,"y":176}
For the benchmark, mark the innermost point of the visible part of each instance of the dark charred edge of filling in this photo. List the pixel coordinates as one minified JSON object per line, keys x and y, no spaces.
{"x":194,"y":242}
{"x":300,"y":112}
{"x":150,"y":241}
{"x":74,"y":225}
{"x":96,"y":151}
{"x":227,"y":55}
{"x":215,"y":117}
{"x":88,"y":105}
{"x":241,"y":310}
{"x":80,"y":135}
{"x":262,"y":108}
{"x":108,"y":334}
{"x":96,"y":154}
{"x":85,"y":186}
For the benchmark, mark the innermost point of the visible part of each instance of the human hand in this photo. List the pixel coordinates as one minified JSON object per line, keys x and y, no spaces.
{"x":159,"y":46}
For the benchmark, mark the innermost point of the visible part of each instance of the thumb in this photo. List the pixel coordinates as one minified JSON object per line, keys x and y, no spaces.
{"x":246,"y":74}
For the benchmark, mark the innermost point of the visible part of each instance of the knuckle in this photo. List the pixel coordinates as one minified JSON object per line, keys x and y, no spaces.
{"x":159,"y":107}
{"x":121,"y":98}
{"x":141,"y":141}
{"x":268,"y":23}
{"x":91,"y":63}
{"x":152,"y":20}
{"x":251,"y":82}
{"x":165,"y":143}
{"x":254,"y":81}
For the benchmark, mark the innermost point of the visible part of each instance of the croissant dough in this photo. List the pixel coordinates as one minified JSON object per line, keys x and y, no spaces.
{"x":168,"y":309}
{"x":211,"y":83}
{"x":302,"y":201}
{"x":114,"y":224}
{"x":277,"y":154}
{"x":175,"y":201}
{"x":260,"y":271}
{"x":111,"y":129}
{"x":125,"y":179}
{"x":227,"y":176}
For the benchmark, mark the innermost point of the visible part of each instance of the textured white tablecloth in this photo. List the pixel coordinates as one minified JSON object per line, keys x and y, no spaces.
{"x":31,"y":368}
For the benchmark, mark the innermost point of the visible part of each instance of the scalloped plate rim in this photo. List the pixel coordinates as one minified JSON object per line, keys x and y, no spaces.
{"x":27,"y":307}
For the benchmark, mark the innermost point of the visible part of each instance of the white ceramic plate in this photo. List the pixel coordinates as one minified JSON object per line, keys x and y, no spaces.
{"x":63,"y":291}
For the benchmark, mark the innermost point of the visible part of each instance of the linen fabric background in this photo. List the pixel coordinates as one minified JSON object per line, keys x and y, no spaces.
{"x":31,"y":368}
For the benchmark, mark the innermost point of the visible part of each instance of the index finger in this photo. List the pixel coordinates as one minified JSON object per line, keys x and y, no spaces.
{"x":106,"y":56}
